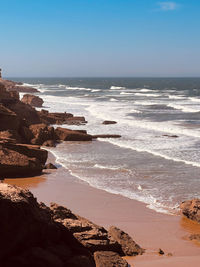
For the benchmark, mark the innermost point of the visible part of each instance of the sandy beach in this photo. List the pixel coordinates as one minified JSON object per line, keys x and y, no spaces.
{"x":148,"y":228}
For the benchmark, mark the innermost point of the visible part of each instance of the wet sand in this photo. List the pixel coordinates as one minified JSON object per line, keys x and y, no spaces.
{"x":149,"y":229}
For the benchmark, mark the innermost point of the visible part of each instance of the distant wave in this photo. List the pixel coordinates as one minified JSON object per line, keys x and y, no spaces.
{"x":113,"y":100}
{"x":78,"y":88}
{"x":95,"y":90}
{"x":176,"y":97}
{"x":183,"y":108}
{"x":125,"y":93}
{"x":145,"y":90}
{"x":152,"y":95}
{"x":117,"y":87}
{"x":194,"y":99}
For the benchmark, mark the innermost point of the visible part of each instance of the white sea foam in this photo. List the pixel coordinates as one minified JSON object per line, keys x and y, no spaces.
{"x":78,"y":88}
{"x":145,"y":90}
{"x":95,"y":90}
{"x":194,"y":99}
{"x":125,"y":93}
{"x":117,"y":87}
{"x":176,"y":97}
{"x":151,"y":95}
{"x":184,"y":108}
{"x":113,"y":100}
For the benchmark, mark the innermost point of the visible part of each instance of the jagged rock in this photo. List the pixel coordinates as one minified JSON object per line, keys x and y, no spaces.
{"x":90,"y":235}
{"x":109,"y":259}
{"x":70,"y":135}
{"x":41,"y":133}
{"x":195,"y":237}
{"x":8,"y":119}
{"x":10,"y":135}
{"x":129,"y":247}
{"x":172,"y":136}
{"x":106,"y":136}
{"x":32,"y":100}
{"x":53,"y":118}
{"x":50,"y":166}
{"x":15,"y":86}
{"x":161,"y":252}
{"x":109,"y":122}
{"x":17,"y":160}
{"x":30,"y":237}
{"x":191,"y":209}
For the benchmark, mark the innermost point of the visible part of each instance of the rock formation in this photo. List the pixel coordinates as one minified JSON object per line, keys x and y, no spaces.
{"x":33,"y":234}
{"x":70,"y":135}
{"x":191,"y":209}
{"x":32,"y":100}
{"x":109,"y":122}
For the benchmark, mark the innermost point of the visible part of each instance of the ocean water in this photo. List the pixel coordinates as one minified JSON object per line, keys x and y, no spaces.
{"x":146,"y":164}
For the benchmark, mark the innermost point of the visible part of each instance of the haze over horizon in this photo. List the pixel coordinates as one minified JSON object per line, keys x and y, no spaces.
{"x":132,"y":38}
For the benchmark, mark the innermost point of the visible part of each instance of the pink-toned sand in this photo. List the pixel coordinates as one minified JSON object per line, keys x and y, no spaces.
{"x":149,"y":229}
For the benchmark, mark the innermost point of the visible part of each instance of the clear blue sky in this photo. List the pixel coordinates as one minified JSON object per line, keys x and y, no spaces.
{"x":100,"y":38}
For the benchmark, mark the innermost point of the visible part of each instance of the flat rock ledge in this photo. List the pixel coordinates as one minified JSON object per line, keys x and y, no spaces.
{"x":33,"y":234}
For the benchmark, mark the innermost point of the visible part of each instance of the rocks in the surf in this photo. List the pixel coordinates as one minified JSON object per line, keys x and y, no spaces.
{"x":70,"y":135}
{"x":17,"y":160}
{"x":75,"y":120}
{"x":42,"y":133}
{"x":191,"y":209}
{"x":106,"y":136}
{"x":172,"y":136}
{"x":32,"y":100}
{"x":109,"y":259}
{"x":30,"y":236}
{"x":128,"y":245}
{"x":49,"y":143}
{"x":109,"y":122}
{"x":50,"y":166}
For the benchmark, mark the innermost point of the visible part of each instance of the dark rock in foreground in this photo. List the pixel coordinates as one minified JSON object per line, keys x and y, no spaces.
{"x":128,"y":246}
{"x":191,"y":209}
{"x":33,"y":234}
{"x":32,"y":100}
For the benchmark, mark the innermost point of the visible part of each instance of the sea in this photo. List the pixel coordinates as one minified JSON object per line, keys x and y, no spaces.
{"x":157,"y":159}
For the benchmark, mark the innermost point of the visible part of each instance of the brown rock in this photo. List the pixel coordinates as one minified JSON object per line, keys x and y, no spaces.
{"x":191,"y":209}
{"x":32,"y":100}
{"x":109,"y":259}
{"x":90,"y":235}
{"x":49,"y":143}
{"x":109,"y":122}
{"x":15,"y":86}
{"x":41,"y":133}
{"x":70,"y":135}
{"x":106,"y":136}
{"x":38,"y":240}
{"x":129,"y":247}
{"x":161,"y":252}
{"x":50,"y":166}
{"x":18,"y":160}
{"x":195,"y":237}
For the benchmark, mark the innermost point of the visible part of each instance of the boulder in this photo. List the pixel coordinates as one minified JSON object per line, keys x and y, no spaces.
{"x":30,"y":237}
{"x":32,"y":100}
{"x":109,"y":259}
{"x":70,"y":135}
{"x":106,"y":136}
{"x":17,"y":160}
{"x":50,"y":166}
{"x":109,"y":122}
{"x":128,"y":246}
{"x":191,"y":209}
{"x":8,"y":119}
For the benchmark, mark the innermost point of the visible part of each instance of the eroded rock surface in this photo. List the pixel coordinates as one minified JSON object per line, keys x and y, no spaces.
{"x":32,"y":100}
{"x":191,"y":209}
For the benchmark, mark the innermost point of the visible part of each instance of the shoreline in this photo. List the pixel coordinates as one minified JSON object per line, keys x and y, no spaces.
{"x":150,"y":229}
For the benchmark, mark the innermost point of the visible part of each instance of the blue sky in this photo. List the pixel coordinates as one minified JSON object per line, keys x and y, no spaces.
{"x":68,"y":38}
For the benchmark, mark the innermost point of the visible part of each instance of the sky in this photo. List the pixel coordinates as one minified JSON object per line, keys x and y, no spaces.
{"x":100,"y":38}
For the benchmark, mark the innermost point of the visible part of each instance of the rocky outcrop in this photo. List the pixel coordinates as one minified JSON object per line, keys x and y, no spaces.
{"x":109,"y":122}
{"x":70,"y":135}
{"x":30,"y":237}
{"x":128,"y":246}
{"x":33,"y":234}
{"x":15,"y":86}
{"x":17,"y":160}
{"x":32,"y":100}
{"x":109,"y":259}
{"x":191,"y":209}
